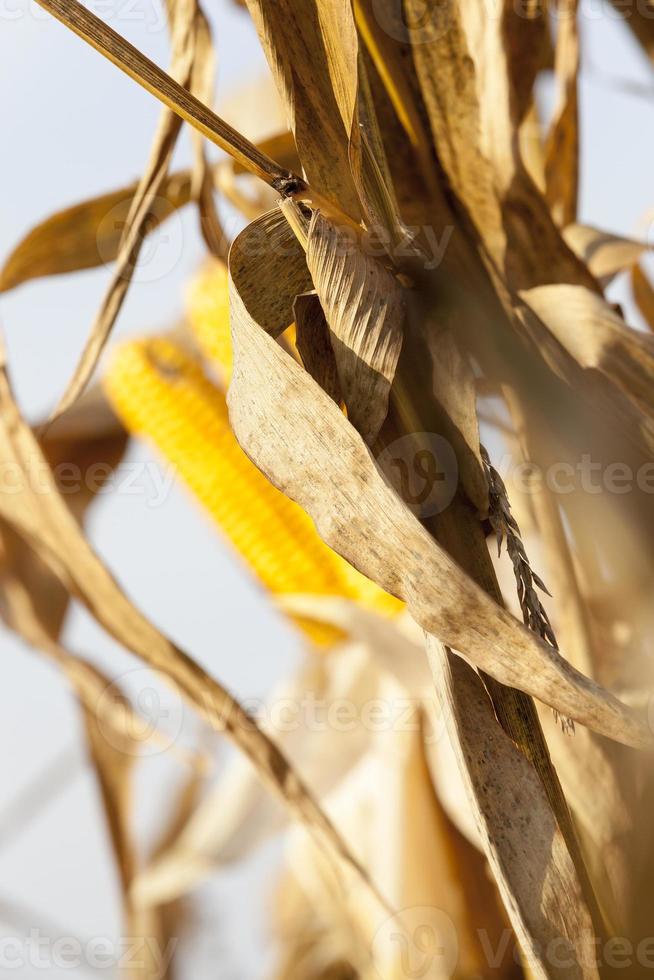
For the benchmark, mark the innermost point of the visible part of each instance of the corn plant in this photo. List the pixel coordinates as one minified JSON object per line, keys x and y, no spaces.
{"x":411,"y":268}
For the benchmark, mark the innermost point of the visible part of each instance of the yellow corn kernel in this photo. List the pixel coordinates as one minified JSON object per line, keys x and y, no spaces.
{"x":207,"y":304}
{"x":163,"y":394}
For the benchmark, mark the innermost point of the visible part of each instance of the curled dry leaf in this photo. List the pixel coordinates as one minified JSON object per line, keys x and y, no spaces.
{"x":191,"y":48}
{"x":296,"y":434}
{"x":562,"y":148}
{"x":597,"y":337}
{"x":87,"y":235}
{"x":527,"y":852}
{"x":365,"y":308}
{"x":314,"y":344}
{"x":605,"y":254}
{"x":238,"y":815}
{"x":643,"y":294}
{"x":271,"y":263}
{"x":312,"y":52}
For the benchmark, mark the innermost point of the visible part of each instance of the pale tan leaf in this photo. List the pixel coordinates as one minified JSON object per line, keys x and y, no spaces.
{"x":524,"y":845}
{"x":365,"y":308}
{"x":476,"y":67}
{"x":184,"y":37}
{"x":273,"y":271}
{"x":87,"y":235}
{"x":454,"y":389}
{"x":643,"y":294}
{"x":605,"y":254}
{"x":237,"y":815}
{"x":314,"y":345}
{"x":308,"y":49}
{"x":597,"y":337}
{"x":419,"y":856}
{"x":299,"y":438}
{"x":562,"y":146}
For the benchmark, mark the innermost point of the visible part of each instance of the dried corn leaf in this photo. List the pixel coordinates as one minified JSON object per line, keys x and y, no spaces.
{"x":42,"y":517}
{"x":82,"y":450}
{"x":87,"y":235}
{"x":190,"y":49}
{"x":562,"y":147}
{"x":202,"y":85}
{"x":531,"y":864}
{"x":448,"y":83}
{"x":455,"y":391}
{"x":299,"y":438}
{"x":272,"y":267}
{"x":310,"y":49}
{"x":113,"y":760}
{"x":643,"y":294}
{"x":365,"y":307}
{"x":424,"y":868}
{"x":605,"y":254}
{"x":314,"y":345}
{"x":238,"y":815}
{"x":597,"y":337}
{"x":495,"y":60}
{"x":21,"y":610}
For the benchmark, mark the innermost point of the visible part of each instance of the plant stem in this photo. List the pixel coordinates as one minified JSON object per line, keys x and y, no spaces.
{"x":129,"y":59}
{"x":460,"y":532}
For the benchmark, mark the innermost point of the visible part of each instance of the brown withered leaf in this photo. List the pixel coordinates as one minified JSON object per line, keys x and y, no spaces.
{"x":455,"y":391}
{"x":605,"y":254}
{"x":202,"y":85}
{"x":312,"y":54}
{"x":510,"y":214}
{"x":41,"y":516}
{"x":21,"y":609}
{"x":238,"y":815}
{"x":271,"y":262}
{"x":188,"y":45}
{"x":446,"y":73}
{"x":524,"y":845}
{"x":87,"y":235}
{"x":314,"y":345}
{"x":113,"y":760}
{"x":597,"y":337}
{"x":297,"y":436}
{"x":82,"y":450}
{"x":562,"y":146}
{"x":643,"y":294}
{"x":365,"y":306}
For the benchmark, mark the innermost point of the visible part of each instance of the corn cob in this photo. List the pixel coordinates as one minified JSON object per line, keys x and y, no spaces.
{"x":207,"y":304}
{"x":162,"y":393}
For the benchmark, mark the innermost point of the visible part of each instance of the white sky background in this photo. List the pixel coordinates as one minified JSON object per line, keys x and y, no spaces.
{"x":73,"y":126}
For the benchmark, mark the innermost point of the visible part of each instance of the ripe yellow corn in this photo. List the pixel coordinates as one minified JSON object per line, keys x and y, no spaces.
{"x":162,"y":393}
{"x":207,"y":304}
